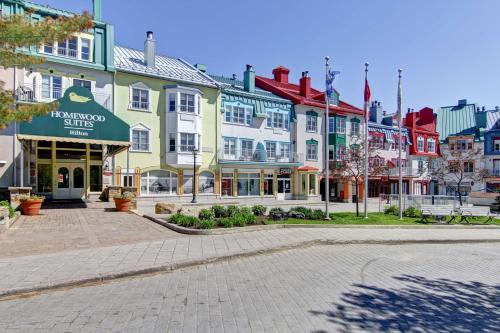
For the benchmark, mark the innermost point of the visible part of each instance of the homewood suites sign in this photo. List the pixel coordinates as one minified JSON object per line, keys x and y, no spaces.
{"x":79,"y":116}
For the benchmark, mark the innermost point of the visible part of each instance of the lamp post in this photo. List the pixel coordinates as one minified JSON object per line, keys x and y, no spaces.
{"x":195,"y":152}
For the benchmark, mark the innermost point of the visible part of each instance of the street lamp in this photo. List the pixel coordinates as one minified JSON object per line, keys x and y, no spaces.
{"x":195,"y":152}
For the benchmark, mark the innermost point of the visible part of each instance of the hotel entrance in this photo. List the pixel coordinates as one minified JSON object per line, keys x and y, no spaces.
{"x":70,"y":181}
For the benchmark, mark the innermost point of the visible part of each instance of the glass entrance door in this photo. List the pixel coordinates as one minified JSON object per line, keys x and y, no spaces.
{"x":70,"y":181}
{"x":285,"y":188}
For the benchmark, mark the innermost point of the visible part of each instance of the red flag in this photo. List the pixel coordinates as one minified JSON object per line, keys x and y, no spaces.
{"x":367,"y":91}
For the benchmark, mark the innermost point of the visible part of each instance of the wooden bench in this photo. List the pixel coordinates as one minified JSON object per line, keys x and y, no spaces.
{"x":438,"y":211}
{"x":475,"y":211}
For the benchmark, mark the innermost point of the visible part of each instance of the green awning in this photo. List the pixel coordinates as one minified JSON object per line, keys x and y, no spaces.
{"x":79,"y":119}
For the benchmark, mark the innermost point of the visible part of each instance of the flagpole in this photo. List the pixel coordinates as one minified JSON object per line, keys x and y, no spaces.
{"x":367,"y":101}
{"x":400,"y":119}
{"x":327,"y":134}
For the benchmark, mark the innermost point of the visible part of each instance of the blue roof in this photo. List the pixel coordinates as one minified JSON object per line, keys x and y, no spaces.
{"x":458,"y":120}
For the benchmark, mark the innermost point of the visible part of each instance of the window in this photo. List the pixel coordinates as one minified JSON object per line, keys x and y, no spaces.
{"x":247,"y":148}
{"x":140,"y":99}
{"x":395,"y":143}
{"x":227,"y":180}
{"x":340,"y":152}
{"x":206,"y":183}
{"x":312,"y":150}
{"x":279,"y":120}
{"x":188,"y":182}
{"x":312,"y":122}
{"x":284,"y":150}
{"x":82,"y":83}
{"x":187,"y":142}
{"x":187,"y":103}
{"x":268,"y":184}
{"x":140,"y":140}
{"x":248,"y":184}
{"x":127,"y":180}
{"x":376,"y":161}
{"x":51,"y":87}
{"x":68,"y":47}
{"x":420,"y":166}
{"x":48,"y":48}
{"x":238,"y":115}
{"x":463,"y":144}
{"x":271,"y":149}
{"x":468,"y":167}
{"x":269,"y":120}
{"x":331,"y":125}
{"x":376,"y":141}
{"x":229,"y":146}
{"x":312,"y":184}
{"x":354,"y":128}
{"x":158,"y":182}
{"x":171,"y":142}
{"x":420,"y":143}
{"x":496,"y":145}
{"x":85,"y":49}
{"x":431,"y":146}
{"x":331,"y":153}
{"x":340,"y":122}
{"x":395,"y":162}
{"x":171,"y":102}
{"x":44,"y":178}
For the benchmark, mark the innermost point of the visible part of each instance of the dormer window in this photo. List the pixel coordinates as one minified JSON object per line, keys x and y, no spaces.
{"x":68,"y":48}
{"x":420,"y":143}
{"x":431,"y":146}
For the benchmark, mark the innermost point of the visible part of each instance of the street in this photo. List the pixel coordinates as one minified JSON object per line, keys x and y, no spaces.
{"x":335,"y":288}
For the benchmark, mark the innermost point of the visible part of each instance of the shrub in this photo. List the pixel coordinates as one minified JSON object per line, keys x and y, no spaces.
{"x":189,"y":221}
{"x":248,"y":217}
{"x":239,"y":220}
{"x":225,"y":222}
{"x":206,"y":214}
{"x":308,"y":212}
{"x":205,"y":224}
{"x":175,"y":218}
{"x":231,"y":210}
{"x":277,"y":214}
{"x":392,"y":209}
{"x":318,"y":214}
{"x":12,"y":211}
{"x":219,"y":211}
{"x":412,"y":212}
{"x":259,"y":210}
{"x":245,"y":210}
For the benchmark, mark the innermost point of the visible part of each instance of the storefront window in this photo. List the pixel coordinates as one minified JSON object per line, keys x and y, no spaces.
{"x":158,"y":182}
{"x":227,"y":184}
{"x":303,"y":184}
{"x":206,"y":182}
{"x":188,"y":183}
{"x":268,"y":184}
{"x":312,"y":184}
{"x":44,"y":178}
{"x":248,"y":184}
{"x":95,"y":178}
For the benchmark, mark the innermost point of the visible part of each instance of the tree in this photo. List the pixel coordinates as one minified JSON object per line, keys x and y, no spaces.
{"x":351,"y":166}
{"x":17,"y":33}
{"x":460,"y":164}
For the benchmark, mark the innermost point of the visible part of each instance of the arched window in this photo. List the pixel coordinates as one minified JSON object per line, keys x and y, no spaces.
{"x":158,"y":182}
{"x":206,"y":182}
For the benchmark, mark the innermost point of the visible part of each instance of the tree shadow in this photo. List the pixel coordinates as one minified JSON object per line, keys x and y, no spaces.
{"x":422,"y":305}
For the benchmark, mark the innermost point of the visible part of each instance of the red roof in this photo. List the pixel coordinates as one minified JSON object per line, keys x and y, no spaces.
{"x":291,"y":91}
{"x":308,"y":168}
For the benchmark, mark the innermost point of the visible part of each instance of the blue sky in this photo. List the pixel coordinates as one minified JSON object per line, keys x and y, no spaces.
{"x":448,"y":49}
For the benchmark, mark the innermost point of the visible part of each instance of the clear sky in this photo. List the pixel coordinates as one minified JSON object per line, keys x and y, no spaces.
{"x":448,"y":49}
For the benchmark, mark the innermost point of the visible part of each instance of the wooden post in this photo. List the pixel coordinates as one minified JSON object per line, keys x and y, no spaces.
{"x":180,"y":185}
{"x":235,"y":182}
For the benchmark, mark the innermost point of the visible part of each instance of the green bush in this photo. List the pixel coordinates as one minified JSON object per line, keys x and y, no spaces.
{"x":225,"y":222}
{"x":259,"y":210}
{"x":412,"y":212}
{"x":318,"y":214}
{"x":175,"y":218}
{"x":392,"y":209}
{"x":12,"y":211}
{"x":206,"y":214}
{"x":231,"y":210}
{"x":219,"y":211}
{"x":248,"y":217}
{"x":245,"y":210}
{"x":205,"y":224}
{"x":184,"y":220}
{"x":239,"y":220}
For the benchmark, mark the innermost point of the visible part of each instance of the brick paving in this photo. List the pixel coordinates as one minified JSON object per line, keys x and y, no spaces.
{"x":342,"y":288}
{"x":69,"y":227}
{"x":39,"y":271}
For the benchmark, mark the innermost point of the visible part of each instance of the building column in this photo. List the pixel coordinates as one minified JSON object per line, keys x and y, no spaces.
{"x":196,"y":179}
{"x":235,"y":182}
{"x":275,"y":182}
{"x":347,"y":191}
{"x":137,"y":181}
{"x":261,"y":182}
{"x":180,"y":180}
{"x":308,"y":187}
{"x":361,"y":193}
{"x":118,"y":176}
{"x":217,"y":182}
{"x":54,"y":167}
{"x":294,"y":183}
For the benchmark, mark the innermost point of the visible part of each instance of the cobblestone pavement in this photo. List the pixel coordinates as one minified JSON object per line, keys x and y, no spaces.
{"x":38,"y":271}
{"x":66,"y":227}
{"x":336,"y":288}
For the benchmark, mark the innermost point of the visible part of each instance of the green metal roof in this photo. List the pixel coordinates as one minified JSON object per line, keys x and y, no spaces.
{"x":459,"y":120}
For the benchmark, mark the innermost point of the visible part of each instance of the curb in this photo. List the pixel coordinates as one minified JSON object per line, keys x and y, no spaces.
{"x":190,"y":231}
{"x":107,"y":278}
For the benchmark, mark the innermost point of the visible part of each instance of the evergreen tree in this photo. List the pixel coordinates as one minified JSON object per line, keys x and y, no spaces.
{"x":17,"y":33}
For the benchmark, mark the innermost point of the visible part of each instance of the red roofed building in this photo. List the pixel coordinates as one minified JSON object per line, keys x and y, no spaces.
{"x":345,"y":125}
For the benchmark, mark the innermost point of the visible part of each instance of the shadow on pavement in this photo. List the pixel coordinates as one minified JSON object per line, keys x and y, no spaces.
{"x":422,"y":305}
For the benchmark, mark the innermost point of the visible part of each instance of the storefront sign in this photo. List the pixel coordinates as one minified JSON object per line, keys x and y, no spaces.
{"x":285,"y":171}
{"x":79,"y":116}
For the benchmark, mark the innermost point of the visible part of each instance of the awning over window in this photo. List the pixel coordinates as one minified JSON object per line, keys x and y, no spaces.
{"x":78,"y":119}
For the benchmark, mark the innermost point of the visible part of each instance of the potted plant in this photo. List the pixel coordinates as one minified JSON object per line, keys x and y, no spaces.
{"x":31,"y":204}
{"x":122,"y":201}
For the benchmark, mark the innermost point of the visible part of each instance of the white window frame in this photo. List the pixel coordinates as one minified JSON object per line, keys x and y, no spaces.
{"x":147,"y":192}
{"x":230,"y":150}
{"x":52,"y":95}
{"x":185,"y":148}
{"x":141,"y":87}
{"x":496,"y":144}
{"x":311,"y":126}
{"x":355,"y":128}
{"x":431,"y":143}
{"x":144,"y":128}
{"x":420,"y":143}
{"x":271,"y":149}
{"x":233,"y":115}
{"x":285,"y":152}
{"x":191,"y":109}
{"x":309,"y":157}
{"x":340,"y":125}
{"x":64,"y":45}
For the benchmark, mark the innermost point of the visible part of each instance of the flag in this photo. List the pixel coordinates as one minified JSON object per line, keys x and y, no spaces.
{"x":400,"y":101}
{"x":330,"y":76}
{"x":367,"y":97}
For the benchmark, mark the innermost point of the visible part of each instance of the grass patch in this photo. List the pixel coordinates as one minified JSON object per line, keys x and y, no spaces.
{"x":351,"y":218}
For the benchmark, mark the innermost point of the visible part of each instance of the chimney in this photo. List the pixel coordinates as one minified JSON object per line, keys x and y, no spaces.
{"x":149,"y":50}
{"x":376,"y":113}
{"x":281,"y":74}
{"x":305,"y":85}
{"x":201,"y":67}
{"x":97,"y":5}
{"x":249,"y":79}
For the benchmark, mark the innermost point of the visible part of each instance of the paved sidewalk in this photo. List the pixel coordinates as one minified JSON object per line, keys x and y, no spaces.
{"x":89,"y":265}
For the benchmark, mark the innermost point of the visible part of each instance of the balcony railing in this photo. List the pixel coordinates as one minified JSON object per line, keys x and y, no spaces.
{"x":63,"y":51}
{"x":259,"y":156}
{"x":43,"y":94}
{"x":413,"y":172}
